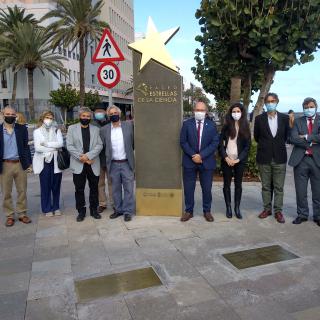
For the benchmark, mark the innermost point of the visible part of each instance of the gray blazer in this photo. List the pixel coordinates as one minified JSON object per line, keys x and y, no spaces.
{"x":75,"y":148}
{"x":127,"y":131}
{"x":301,"y":144}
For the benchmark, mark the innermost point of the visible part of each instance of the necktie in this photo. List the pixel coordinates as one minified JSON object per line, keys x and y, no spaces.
{"x":198,"y":131}
{"x":310,"y":127}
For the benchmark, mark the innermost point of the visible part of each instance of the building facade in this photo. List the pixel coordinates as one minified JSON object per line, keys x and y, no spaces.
{"x":119,"y":15}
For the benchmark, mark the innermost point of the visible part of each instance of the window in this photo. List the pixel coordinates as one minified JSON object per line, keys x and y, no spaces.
{"x":78,"y":57}
{"x":69,"y":54}
{"x":74,"y":76}
{"x":74,"y":56}
{"x":4,"y":82}
{"x":70,"y":75}
{"x":65,"y":52}
{"x":60,"y":50}
{"x":91,"y":52}
{"x":92,"y":78}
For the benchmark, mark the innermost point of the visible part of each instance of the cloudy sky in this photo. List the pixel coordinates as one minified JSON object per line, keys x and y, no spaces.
{"x":292,"y":86}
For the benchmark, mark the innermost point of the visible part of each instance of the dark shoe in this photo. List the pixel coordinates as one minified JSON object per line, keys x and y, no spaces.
{"x":101,"y":209}
{"x":127,"y":217}
{"x":115,"y":215}
{"x":81,"y":215}
{"x":208,"y":216}
{"x":299,"y":220}
{"x":317,"y":222}
{"x":279,"y":217}
{"x":10,"y":222}
{"x":186,"y":216}
{"x":227,"y":200}
{"x":237,"y":201}
{"x":237,"y":211}
{"x":25,"y":219}
{"x":264,"y":214}
{"x":94,"y":214}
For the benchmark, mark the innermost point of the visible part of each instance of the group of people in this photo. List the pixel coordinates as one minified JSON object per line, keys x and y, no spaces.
{"x":102,"y":149}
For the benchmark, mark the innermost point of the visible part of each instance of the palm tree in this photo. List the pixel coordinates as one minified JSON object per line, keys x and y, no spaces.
{"x":30,"y":48}
{"x":77,"y":22}
{"x":9,"y":18}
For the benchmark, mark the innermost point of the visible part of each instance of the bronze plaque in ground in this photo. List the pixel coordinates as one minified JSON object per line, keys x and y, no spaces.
{"x":258,"y":257}
{"x":113,"y":284}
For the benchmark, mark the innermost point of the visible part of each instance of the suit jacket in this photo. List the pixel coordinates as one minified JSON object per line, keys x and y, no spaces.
{"x":243,"y":145}
{"x":128,"y":136}
{"x":103,"y":152}
{"x":189,"y":143}
{"x":269,"y":147}
{"x":301,"y":144}
{"x":22,"y":139}
{"x":75,"y":148}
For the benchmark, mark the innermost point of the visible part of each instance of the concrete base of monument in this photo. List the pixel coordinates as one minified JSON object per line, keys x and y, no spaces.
{"x":159,"y":202}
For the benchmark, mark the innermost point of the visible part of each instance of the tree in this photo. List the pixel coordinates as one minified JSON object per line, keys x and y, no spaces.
{"x":191,"y":95}
{"x":92,"y":99}
{"x":9,"y":18}
{"x":76,"y":23}
{"x":29,"y":47}
{"x":65,"y":98}
{"x":256,"y":38}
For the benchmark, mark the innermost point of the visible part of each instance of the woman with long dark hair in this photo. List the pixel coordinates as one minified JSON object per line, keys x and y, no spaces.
{"x":235,"y":141}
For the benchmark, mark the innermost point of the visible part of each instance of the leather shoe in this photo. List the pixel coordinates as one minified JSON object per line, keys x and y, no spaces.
{"x":208,"y":216}
{"x":80,"y":217}
{"x":299,"y":220}
{"x":10,"y":222}
{"x":279,"y":217}
{"x":186,"y":216}
{"x":317,"y":222}
{"x":115,"y":215}
{"x":127,"y":217}
{"x":264,"y":214}
{"x":101,"y":209}
{"x":95,"y":215}
{"x":25,"y":219}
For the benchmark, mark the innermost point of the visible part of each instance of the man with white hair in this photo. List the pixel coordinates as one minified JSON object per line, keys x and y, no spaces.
{"x":15,"y":163}
{"x":117,"y":138}
{"x":84,"y":145}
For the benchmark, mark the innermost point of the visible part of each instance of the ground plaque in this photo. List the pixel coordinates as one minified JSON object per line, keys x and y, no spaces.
{"x":158,"y":117}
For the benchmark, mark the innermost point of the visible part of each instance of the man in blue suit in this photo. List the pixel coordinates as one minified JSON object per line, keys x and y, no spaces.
{"x":199,"y":140}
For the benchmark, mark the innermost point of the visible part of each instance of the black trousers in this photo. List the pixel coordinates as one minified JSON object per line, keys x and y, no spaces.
{"x":237,"y":171}
{"x":79,"y":181}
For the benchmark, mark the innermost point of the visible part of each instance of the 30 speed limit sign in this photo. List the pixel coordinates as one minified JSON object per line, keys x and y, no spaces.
{"x":109,"y":74}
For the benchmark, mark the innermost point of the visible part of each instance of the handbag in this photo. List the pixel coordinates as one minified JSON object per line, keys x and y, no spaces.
{"x":63,"y":158}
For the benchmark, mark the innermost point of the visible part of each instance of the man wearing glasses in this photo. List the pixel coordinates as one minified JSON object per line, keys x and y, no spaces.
{"x":271,"y":131}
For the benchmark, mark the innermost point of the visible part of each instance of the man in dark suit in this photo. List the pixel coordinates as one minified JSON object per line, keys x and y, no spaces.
{"x":199,"y":140}
{"x":271,"y":131}
{"x":15,"y":163}
{"x":305,"y":160}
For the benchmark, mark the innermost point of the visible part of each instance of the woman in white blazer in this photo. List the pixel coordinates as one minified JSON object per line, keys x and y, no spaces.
{"x":47,"y":140}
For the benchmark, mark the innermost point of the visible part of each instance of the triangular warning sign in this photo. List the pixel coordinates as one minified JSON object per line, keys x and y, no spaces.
{"x":107,"y":49}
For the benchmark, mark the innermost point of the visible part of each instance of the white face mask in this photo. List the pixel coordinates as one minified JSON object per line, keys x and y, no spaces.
{"x":199,"y":116}
{"x":47,"y":123}
{"x":236,"y":115}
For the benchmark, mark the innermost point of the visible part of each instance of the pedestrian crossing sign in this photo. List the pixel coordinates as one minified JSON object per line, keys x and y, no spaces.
{"x":107,"y":49}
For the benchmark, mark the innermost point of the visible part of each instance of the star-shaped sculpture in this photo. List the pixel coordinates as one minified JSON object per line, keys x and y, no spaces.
{"x":153,"y":46}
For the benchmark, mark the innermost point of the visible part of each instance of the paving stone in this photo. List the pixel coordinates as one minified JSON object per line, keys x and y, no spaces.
{"x":60,"y":266}
{"x":17,"y":265}
{"x":13,"y":305}
{"x":104,"y":309}
{"x":309,"y":314}
{"x":47,"y":253}
{"x":53,"y":231}
{"x":15,"y":282}
{"x":50,"y":242}
{"x":51,"y":308}
{"x":21,"y":251}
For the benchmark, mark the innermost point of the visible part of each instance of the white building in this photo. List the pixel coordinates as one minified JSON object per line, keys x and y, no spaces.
{"x":119,"y":15}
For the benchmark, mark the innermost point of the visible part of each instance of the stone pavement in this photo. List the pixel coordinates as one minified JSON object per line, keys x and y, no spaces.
{"x":39,"y":263}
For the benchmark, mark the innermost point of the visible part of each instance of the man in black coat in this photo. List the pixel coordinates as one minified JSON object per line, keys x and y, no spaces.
{"x":271,"y":131}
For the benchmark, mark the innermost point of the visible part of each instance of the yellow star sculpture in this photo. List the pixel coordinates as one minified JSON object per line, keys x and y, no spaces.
{"x":153,"y":46}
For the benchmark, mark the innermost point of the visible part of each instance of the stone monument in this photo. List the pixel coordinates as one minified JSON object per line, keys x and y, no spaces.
{"x":157,"y":118}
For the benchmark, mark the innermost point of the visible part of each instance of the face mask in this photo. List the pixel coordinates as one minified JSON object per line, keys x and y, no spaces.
{"x":310,"y":112}
{"x":199,"y":116}
{"x":271,"y":107}
{"x":100,"y":116}
{"x":47,"y":123}
{"x":85,"y":122}
{"x":9,"y":119}
{"x":236,"y":115}
{"x":114,"y":118}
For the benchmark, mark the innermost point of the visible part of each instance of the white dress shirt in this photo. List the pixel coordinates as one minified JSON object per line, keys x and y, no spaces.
{"x":117,"y":143}
{"x":201,"y":130}
{"x":273,"y":124}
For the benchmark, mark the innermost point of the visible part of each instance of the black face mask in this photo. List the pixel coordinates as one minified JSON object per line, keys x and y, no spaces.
{"x":114,"y":118}
{"x":9,"y":119}
{"x":85,"y":122}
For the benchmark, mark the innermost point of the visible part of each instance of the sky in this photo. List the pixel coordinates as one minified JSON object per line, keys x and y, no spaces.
{"x":292,"y":86}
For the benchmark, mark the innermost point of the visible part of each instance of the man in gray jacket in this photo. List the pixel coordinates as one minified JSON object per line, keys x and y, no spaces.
{"x":117,"y":138}
{"x":84,"y":145}
{"x":305,"y":160}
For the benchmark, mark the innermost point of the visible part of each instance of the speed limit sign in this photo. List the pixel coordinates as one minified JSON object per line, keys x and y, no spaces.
{"x":109,"y":74}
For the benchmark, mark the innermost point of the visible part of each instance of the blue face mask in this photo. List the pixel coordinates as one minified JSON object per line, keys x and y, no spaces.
{"x":310,"y":112}
{"x":271,"y":107}
{"x":100,"y":116}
